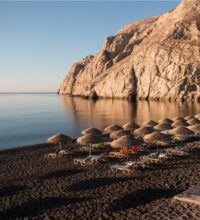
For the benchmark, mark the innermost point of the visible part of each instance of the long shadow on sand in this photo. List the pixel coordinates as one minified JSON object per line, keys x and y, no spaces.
{"x":11,"y":190}
{"x":98,"y":182}
{"x":35,"y":207}
{"x":61,"y":173}
{"x":141,"y":197}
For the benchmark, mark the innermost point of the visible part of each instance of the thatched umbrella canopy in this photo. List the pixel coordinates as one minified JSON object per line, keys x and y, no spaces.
{"x":120,"y":133}
{"x":179,"y":124}
{"x":166,"y":121}
{"x":181,"y":132}
{"x":189,"y":118}
{"x":131,"y":126}
{"x":193,"y":121}
{"x":150,"y":123}
{"x":112,"y":128}
{"x":141,"y":132}
{"x":178,"y":119}
{"x":157,"y":138}
{"x":195,"y":129}
{"x":89,"y":139}
{"x":59,"y":138}
{"x":91,"y":131}
{"x":162,"y":127}
{"x":197,"y":116}
{"x":125,"y":141}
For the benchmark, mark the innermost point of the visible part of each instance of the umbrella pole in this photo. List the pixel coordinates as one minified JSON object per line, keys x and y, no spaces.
{"x":90,"y":149}
{"x":60,"y":147}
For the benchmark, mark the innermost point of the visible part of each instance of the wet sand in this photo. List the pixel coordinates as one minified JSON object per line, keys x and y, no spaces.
{"x":38,"y":188}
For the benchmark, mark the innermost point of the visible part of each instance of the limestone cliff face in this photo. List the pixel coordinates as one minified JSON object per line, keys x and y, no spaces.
{"x":157,"y":58}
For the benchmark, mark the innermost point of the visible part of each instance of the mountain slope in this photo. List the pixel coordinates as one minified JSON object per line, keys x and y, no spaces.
{"x":157,"y":58}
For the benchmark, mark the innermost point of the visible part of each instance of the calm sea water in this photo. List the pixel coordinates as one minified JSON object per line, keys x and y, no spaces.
{"x":27,"y":119}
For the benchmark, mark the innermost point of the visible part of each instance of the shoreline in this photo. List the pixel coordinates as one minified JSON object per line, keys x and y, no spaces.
{"x":32,"y":186}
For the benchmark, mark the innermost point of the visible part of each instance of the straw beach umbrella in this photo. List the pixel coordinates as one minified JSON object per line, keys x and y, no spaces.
{"x":94,"y":131}
{"x":195,"y":129}
{"x":120,"y":133}
{"x":150,"y":123}
{"x":141,"y":132}
{"x":197,"y":116}
{"x":131,"y":126}
{"x":89,"y":139}
{"x":189,"y":118}
{"x":162,"y":127}
{"x":181,"y":133}
{"x":179,"y":123}
{"x":59,"y":139}
{"x":112,"y":128}
{"x":125,"y":141}
{"x":178,"y":119}
{"x":193,"y":121}
{"x":166,"y":121}
{"x":157,"y":138}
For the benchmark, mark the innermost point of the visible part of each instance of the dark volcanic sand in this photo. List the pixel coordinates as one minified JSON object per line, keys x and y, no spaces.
{"x":34,"y":187}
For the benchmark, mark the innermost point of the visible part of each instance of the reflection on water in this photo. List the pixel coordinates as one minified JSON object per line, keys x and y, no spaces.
{"x":27,"y":119}
{"x":104,"y":112}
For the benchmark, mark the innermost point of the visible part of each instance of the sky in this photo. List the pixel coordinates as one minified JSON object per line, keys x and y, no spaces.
{"x":39,"y":41}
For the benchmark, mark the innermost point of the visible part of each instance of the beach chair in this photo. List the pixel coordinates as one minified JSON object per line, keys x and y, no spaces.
{"x":62,"y":153}
{"x":83,"y":161}
{"x":50,"y":155}
{"x":96,"y":158}
{"x":135,"y":164}
{"x":175,"y":152}
{"x":117,"y":154}
{"x":89,"y":160}
{"x":128,"y":166}
{"x":124,"y":168}
{"x":154,"y":158}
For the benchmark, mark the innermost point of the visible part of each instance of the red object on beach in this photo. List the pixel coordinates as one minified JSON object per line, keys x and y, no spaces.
{"x":131,"y":150}
{"x":135,"y":148}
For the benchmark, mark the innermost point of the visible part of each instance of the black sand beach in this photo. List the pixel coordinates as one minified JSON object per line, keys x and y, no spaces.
{"x":32,"y":187}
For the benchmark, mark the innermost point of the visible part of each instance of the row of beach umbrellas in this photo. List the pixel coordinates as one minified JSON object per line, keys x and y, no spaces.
{"x":162,"y":132}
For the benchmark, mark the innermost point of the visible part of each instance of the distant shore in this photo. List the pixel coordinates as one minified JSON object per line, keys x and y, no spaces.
{"x":32,"y":186}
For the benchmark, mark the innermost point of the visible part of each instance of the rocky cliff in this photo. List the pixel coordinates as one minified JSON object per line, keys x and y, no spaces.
{"x":157,"y":58}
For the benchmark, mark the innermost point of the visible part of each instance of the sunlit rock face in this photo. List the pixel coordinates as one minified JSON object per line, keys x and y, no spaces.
{"x":157,"y":58}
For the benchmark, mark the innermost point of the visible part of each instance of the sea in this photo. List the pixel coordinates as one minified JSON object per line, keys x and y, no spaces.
{"x":30,"y":118}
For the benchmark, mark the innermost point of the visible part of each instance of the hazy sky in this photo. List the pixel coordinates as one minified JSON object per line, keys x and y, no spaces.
{"x":39,"y":41}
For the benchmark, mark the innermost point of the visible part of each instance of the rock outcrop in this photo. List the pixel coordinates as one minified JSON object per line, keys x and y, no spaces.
{"x":157,"y":58}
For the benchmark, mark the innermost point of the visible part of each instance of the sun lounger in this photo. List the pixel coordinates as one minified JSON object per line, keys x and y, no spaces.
{"x":62,"y":153}
{"x":117,"y":154}
{"x":59,"y":153}
{"x":50,"y":155}
{"x":83,"y":161}
{"x":119,"y":167}
{"x":157,"y":157}
{"x":89,"y":160}
{"x":127,"y":166}
{"x":175,"y":152}
{"x":135,"y":164}
{"x":96,"y":158}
